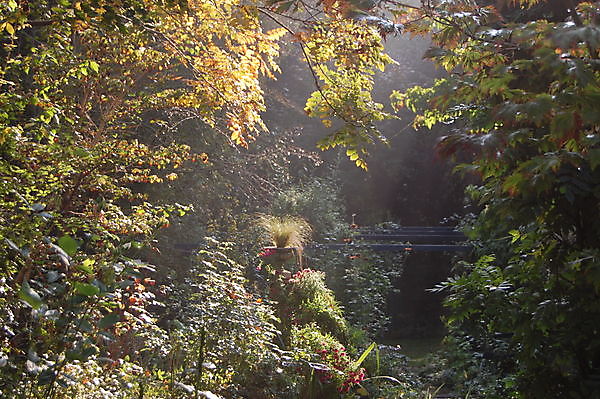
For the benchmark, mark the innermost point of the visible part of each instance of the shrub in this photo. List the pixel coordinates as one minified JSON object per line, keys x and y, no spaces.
{"x":327,"y":360}
{"x":318,"y":201}
{"x":224,"y":332}
{"x":305,"y":299}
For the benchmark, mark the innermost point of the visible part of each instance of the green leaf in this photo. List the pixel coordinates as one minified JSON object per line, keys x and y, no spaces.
{"x":68,"y":244}
{"x":562,"y":123}
{"x":108,"y":320}
{"x":31,"y":297}
{"x":435,"y":52}
{"x":94,"y":66}
{"x":107,"y":336}
{"x":47,"y":376}
{"x":285,"y":6}
{"x":52,"y":276}
{"x":512,"y":182}
{"x":81,"y":354}
{"x":45,"y":215}
{"x":81,"y":152}
{"x":594,"y":157}
{"x":364,"y":355}
{"x":177,"y":325}
{"x":86,"y":326}
{"x":86,"y":266}
{"x":515,"y":234}
{"x":12,"y":245}
{"x":537,"y":109}
{"x":38,"y":207}
{"x":133,"y":273}
{"x":85,"y":289}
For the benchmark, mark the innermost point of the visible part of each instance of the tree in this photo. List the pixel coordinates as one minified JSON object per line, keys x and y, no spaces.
{"x":521,"y":96}
{"x":343,"y":50}
{"x":88,"y":91}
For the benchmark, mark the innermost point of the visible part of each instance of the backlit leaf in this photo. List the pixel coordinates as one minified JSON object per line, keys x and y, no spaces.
{"x":85,"y":289}
{"x":68,"y":244}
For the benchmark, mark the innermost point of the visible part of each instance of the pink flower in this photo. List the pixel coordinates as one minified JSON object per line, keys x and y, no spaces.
{"x":266,"y":252}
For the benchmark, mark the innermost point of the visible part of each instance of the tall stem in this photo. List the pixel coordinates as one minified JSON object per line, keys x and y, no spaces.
{"x":200,"y":361}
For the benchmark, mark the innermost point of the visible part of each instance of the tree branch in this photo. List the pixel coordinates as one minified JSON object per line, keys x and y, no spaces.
{"x":579,"y":23}
{"x":311,"y":68}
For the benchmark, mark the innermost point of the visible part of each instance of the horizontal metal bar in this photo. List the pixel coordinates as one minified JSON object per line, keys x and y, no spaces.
{"x":413,"y":237}
{"x":409,"y":231}
{"x":394,"y":247}
{"x":441,"y":228}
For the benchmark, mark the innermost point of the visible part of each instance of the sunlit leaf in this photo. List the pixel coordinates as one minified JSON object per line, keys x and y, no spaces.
{"x":85,"y":289}
{"x":30,"y":296}
{"x":68,"y":244}
{"x":87,"y":266}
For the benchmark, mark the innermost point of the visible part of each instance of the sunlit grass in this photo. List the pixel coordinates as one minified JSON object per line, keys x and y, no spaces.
{"x":285,"y":231}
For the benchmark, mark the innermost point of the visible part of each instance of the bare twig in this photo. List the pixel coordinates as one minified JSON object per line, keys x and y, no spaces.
{"x":401,"y":4}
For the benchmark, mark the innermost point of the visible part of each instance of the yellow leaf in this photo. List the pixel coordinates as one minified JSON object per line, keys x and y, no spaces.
{"x":9,"y":28}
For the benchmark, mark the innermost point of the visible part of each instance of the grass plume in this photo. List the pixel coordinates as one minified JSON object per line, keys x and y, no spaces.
{"x":285,"y":231}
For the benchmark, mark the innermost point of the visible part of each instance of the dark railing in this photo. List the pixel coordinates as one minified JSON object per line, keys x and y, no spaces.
{"x":408,"y":238}
{"x":396,"y":247}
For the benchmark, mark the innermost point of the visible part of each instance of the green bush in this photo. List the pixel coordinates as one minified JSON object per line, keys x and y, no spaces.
{"x":362,"y":281}
{"x":318,"y":201}
{"x":305,"y":299}
{"x":225,"y":333}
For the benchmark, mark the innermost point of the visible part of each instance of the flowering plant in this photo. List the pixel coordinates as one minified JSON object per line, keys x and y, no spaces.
{"x":266,"y":252}
{"x":337,"y":358}
{"x":335,"y":365}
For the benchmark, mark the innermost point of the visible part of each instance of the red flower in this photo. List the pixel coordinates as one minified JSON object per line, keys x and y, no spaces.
{"x":266,"y":252}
